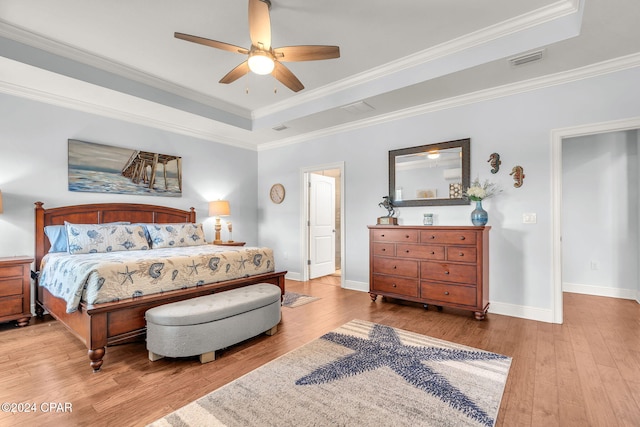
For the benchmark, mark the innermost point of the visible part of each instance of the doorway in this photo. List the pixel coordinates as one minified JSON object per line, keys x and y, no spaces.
{"x":323,"y":222}
{"x":558,"y":136}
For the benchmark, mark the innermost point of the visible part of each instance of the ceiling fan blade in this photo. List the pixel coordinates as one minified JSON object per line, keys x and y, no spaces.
{"x":211,"y":43}
{"x":259,"y":24}
{"x":286,"y":77}
{"x":306,"y":53}
{"x":236,"y":73}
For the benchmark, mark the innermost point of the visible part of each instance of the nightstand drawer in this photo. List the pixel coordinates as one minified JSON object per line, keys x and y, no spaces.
{"x":11,"y":305}
{"x":463,"y":295}
{"x":446,"y":272}
{"x":11,"y":271}
{"x":395,"y":285}
{"x":11,"y":287}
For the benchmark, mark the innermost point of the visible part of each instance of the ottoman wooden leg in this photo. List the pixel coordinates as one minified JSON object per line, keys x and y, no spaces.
{"x":208,"y":357}
{"x":272,"y":331}
{"x":153,"y":357}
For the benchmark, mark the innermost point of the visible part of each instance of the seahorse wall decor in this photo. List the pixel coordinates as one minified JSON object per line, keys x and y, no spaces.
{"x":494,"y":161}
{"x":518,"y":176}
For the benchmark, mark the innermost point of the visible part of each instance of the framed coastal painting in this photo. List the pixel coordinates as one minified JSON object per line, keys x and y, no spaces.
{"x":98,"y":168}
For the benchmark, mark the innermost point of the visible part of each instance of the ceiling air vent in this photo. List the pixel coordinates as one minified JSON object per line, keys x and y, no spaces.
{"x":358,"y":107}
{"x":280,"y":127}
{"x":527,"y":58}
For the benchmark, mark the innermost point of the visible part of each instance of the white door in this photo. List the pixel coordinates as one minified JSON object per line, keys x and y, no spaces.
{"x":322,"y":225}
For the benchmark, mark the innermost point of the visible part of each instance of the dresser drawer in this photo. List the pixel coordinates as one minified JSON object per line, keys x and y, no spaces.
{"x":447,"y":272}
{"x":463,"y":295}
{"x":395,"y":267}
{"x":448,"y":237}
{"x":461,"y":253}
{"x":10,"y":305}
{"x":395,"y":285}
{"x":420,"y":251}
{"x":384,"y":249}
{"x":11,"y":287}
{"x":387,"y":235}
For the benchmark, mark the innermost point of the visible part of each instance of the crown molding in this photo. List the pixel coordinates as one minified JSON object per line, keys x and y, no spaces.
{"x":503,"y":29}
{"x":64,"y":50}
{"x":120,"y":114}
{"x":587,"y":72}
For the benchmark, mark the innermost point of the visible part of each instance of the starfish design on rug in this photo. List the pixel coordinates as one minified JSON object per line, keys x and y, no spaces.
{"x":383,"y":348}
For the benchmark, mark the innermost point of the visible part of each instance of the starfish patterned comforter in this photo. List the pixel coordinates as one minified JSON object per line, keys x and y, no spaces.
{"x":107,"y":277}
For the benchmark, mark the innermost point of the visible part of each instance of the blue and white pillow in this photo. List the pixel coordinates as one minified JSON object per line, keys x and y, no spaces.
{"x":175,"y":235}
{"x":57,"y":235}
{"x":100,"y":238}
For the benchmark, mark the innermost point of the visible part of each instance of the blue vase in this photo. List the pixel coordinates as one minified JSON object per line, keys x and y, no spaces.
{"x":479,"y":216}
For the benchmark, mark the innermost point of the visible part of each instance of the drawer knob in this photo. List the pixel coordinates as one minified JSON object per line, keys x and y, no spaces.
{"x":382,"y":235}
{"x":433,"y":253}
{"x":446,"y":292}
{"x":461,"y":254}
{"x":446,"y":272}
{"x":433,"y":237}
{"x":383,"y":249}
{"x":462,"y":237}
{"x":395,"y":267}
{"x":406,"y":236}
{"x":394,"y":285}
{"x":407,"y":251}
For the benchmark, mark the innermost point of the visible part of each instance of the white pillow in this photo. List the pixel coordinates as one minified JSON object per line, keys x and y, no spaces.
{"x":100,"y":238}
{"x":175,"y":235}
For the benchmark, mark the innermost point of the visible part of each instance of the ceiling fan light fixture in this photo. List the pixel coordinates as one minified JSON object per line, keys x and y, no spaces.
{"x":261,"y":62}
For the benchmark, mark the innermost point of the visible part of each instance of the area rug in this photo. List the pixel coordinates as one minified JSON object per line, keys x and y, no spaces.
{"x":361,"y":374}
{"x":292,"y":299}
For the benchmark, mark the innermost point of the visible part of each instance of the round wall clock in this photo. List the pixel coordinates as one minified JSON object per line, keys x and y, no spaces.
{"x":277,"y":193}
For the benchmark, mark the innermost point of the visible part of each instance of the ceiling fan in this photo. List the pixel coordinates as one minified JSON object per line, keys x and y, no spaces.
{"x":263,"y":59}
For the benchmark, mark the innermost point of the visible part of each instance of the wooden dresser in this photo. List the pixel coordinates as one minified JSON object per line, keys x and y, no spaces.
{"x":442,"y":266}
{"x":15,"y":289}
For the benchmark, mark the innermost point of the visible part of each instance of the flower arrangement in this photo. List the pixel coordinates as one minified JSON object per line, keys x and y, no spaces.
{"x":480,"y":191}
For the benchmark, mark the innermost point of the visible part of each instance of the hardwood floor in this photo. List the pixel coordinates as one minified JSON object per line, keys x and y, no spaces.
{"x":585,"y":372}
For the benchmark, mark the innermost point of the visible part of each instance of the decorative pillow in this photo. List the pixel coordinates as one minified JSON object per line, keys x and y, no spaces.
{"x":176,"y":235}
{"x":57,"y":235}
{"x":99,"y":238}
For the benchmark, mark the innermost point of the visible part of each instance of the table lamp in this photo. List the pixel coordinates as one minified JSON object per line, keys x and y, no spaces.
{"x":218,"y":208}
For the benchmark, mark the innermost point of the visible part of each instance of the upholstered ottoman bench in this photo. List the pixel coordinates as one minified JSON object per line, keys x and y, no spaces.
{"x":202,"y":325}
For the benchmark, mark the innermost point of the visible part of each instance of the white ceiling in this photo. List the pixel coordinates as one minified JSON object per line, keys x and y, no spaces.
{"x":120,"y":58}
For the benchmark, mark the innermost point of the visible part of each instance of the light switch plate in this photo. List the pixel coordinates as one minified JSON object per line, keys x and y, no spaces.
{"x":529,"y":218}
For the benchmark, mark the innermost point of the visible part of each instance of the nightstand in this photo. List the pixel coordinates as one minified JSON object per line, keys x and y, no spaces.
{"x":15,"y":289}
{"x":229,"y":243}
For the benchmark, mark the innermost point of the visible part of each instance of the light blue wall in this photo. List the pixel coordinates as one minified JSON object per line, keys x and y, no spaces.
{"x":33,"y":167}
{"x":517,"y":127}
{"x":600,"y":214}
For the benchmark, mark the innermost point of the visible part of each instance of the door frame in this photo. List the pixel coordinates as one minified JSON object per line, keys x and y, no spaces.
{"x":304,"y":208}
{"x":557,"y":135}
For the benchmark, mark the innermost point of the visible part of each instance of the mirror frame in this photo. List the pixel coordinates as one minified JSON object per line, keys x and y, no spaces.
{"x":466,"y":172}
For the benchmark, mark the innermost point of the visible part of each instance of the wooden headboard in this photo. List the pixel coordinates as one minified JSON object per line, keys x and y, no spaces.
{"x":102,"y":213}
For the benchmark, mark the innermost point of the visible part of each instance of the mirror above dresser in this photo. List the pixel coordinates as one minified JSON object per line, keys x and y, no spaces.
{"x":430,"y":175}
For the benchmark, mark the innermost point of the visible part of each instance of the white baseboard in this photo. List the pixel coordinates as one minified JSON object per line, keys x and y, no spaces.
{"x":356,"y":286}
{"x":601,"y":291}
{"x":524,"y":312}
{"x":292,"y":275}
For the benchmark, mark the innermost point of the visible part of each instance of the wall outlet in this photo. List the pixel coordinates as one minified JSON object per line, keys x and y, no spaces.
{"x":529,"y":218}
{"x":594,"y":265}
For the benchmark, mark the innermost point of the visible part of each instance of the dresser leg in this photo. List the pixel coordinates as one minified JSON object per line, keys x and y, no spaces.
{"x":96,"y":358}
{"x":373,"y":296}
{"x":24,"y":321}
{"x":479,"y":315}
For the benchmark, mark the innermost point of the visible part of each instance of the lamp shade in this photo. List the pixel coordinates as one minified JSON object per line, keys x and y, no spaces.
{"x":1,"y":210}
{"x":219,"y":208}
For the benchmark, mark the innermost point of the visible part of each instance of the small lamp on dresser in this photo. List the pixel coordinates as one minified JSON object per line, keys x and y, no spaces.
{"x":218,"y":208}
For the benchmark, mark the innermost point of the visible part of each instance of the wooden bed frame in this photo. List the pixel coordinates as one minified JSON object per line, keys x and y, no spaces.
{"x":101,"y":325}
